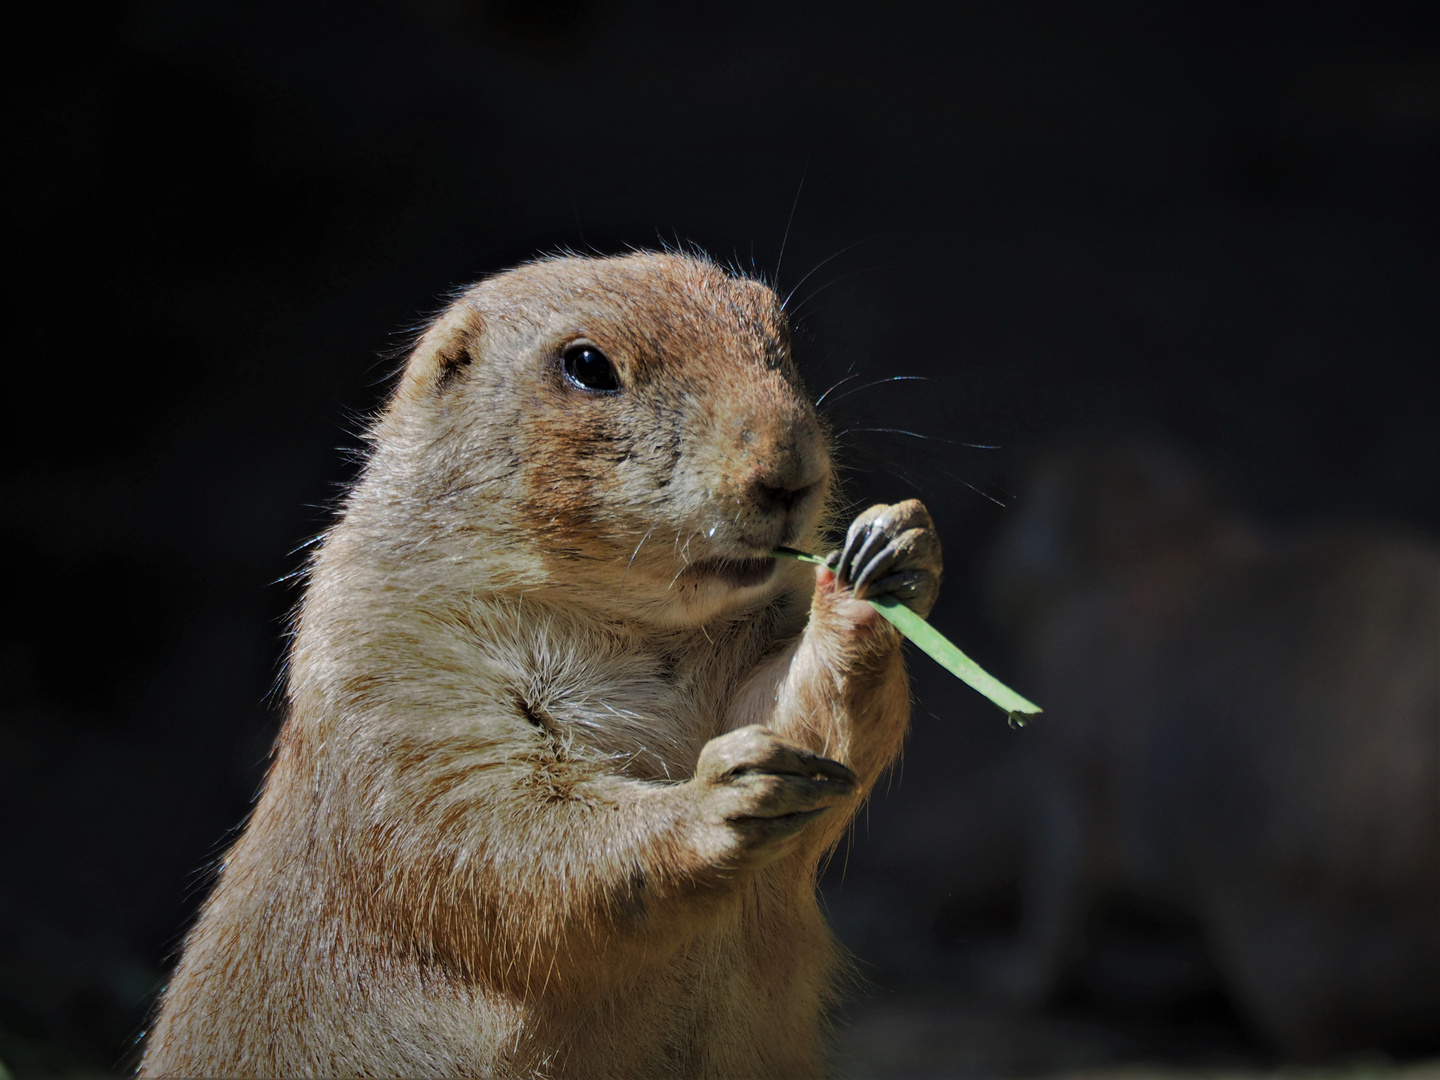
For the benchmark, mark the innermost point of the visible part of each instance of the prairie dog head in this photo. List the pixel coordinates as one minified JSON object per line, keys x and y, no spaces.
{"x":632,"y":431}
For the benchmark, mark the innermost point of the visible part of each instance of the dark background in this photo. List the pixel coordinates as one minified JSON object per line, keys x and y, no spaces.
{"x":1213,"y":222}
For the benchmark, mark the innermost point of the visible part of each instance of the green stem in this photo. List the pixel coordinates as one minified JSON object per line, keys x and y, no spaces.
{"x":939,"y":648}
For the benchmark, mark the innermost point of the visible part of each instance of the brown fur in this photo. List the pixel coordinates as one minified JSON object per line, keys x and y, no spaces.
{"x":517,"y":823}
{"x":1242,"y":724}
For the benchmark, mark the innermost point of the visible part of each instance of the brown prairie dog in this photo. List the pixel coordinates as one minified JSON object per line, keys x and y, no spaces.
{"x":564,"y":746}
{"x":1247,"y":729}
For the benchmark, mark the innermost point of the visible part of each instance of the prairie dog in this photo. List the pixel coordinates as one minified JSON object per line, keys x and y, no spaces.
{"x":1247,"y":729}
{"x":565,"y":746}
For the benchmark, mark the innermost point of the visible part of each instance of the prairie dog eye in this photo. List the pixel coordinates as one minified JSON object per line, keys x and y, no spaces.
{"x":589,"y":369}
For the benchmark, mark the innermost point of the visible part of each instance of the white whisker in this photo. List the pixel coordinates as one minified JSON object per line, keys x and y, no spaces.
{"x":876,"y":382}
{"x":790,"y":295}
{"x":916,"y":435}
{"x":836,"y":386}
{"x":785,"y":239}
{"x":837,"y":281}
{"x":633,"y":556}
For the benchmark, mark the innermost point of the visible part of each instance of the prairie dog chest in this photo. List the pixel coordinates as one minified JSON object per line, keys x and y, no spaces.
{"x":646,"y":704}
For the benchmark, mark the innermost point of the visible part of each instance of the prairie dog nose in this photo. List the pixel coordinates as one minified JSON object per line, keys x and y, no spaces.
{"x":784,"y":459}
{"x":772,"y":498}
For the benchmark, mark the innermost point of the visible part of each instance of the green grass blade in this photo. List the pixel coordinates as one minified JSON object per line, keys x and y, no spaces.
{"x":940,"y":649}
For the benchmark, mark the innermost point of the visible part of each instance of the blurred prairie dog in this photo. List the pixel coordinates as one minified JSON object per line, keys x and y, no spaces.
{"x":1247,"y":729}
{"x":523,"y":818}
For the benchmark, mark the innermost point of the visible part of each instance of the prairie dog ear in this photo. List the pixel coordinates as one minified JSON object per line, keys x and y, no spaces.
{"x":443,"y":352}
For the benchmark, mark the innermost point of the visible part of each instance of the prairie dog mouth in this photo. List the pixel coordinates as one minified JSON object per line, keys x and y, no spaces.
{"x":737,"y":573}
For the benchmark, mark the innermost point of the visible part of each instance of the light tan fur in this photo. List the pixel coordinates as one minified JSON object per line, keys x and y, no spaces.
{"x":520,"y":821}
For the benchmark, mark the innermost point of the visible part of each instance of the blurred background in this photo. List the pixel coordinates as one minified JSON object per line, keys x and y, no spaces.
{"x":1174,"y":265}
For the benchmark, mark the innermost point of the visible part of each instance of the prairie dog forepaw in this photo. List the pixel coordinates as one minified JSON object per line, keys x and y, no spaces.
{"x":758,"y":791}
{"x":892,"y":549}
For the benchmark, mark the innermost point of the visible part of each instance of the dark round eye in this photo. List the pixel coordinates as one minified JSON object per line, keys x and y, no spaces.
{"x":589,"y":368}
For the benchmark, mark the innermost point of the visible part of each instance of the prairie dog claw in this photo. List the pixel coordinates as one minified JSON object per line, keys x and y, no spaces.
{"x":761,"y":790}
{"x":892,"y":549}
